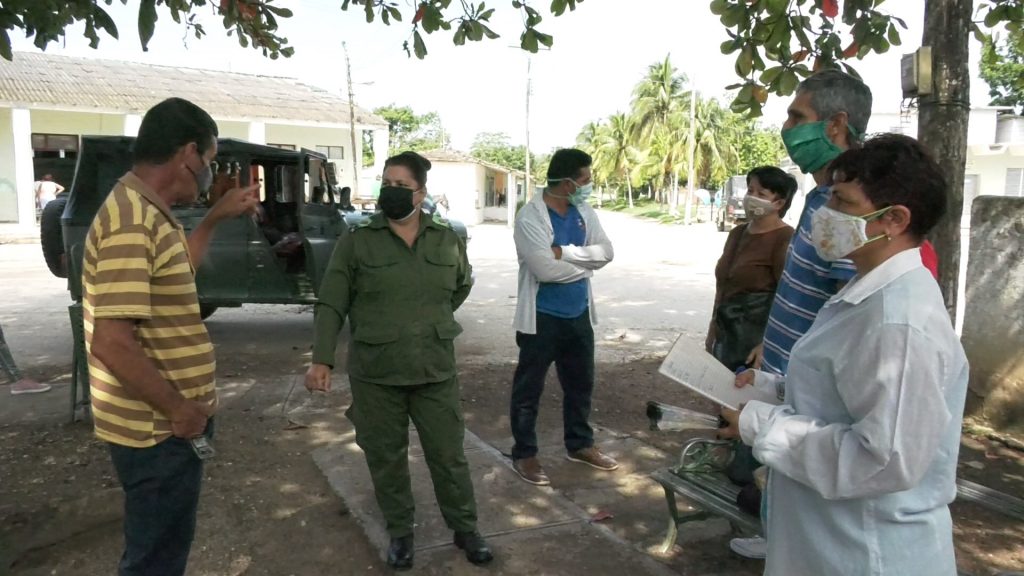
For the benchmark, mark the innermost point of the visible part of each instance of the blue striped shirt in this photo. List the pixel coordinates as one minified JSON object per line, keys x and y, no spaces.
{"x":807,"y":283}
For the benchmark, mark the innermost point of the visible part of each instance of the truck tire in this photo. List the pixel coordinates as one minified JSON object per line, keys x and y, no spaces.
{"x":206,"y":310}
{"x":51,"y":236}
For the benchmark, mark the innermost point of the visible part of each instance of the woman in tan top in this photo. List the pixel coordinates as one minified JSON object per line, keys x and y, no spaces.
{"x":750,"y":267}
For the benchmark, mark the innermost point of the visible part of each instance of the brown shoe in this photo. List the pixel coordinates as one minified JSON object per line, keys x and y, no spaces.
{"x":595,"y":458}
{"x":529,"y":469}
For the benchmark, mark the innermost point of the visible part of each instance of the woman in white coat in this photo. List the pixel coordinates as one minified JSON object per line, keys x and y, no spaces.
{"x":862,"y":454}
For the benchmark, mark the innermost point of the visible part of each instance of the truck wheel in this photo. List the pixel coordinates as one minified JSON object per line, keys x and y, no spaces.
{"x":51,"y":236}
{"x":206,"y":310}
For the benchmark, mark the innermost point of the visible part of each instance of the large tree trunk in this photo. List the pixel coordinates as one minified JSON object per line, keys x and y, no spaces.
{"x":942,"y":125}
{"x":629,"y":190}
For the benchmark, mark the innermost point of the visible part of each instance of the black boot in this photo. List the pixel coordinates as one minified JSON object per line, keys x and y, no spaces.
{"x":476,"y":549}
{"x":400,"y":553}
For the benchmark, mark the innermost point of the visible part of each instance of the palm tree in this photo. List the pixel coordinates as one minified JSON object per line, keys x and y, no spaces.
{"x":615,"y":149}
{"x":658,"y":102}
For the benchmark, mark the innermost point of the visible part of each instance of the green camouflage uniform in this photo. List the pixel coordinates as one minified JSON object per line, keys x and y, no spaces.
{"x":400,"y":302}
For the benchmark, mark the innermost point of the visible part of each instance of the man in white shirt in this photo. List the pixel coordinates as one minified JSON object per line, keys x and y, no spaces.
{"x":46,"y":191}
{"x":559,"y":242}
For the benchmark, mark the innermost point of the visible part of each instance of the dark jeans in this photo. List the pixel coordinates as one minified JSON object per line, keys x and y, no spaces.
{"x":161,"y":494}
{"x":569,"y":343}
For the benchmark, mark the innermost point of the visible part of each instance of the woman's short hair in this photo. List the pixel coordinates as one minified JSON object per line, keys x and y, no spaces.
{"x":893,"y":169}
{"x":778,"y":181}
{"x":418,"y":165}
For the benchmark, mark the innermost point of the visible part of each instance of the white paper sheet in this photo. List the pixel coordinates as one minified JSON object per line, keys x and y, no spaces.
{"x":688,"y":364}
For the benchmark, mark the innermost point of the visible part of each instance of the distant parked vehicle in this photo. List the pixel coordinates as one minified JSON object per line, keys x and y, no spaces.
{"x":730,"y":206}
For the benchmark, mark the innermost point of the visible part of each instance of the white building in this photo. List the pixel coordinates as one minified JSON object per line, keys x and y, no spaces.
{"x":476,"y":190}
{"x":48,"y":101}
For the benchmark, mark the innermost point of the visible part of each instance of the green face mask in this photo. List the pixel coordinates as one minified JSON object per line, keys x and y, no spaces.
{"x":809,"y":147}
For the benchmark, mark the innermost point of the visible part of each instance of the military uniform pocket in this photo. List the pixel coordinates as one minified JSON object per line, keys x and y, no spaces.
{"x":374,"y":351}
{"x":441,"y":271}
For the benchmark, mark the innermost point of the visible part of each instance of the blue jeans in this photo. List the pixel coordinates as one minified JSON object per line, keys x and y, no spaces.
{"x":161,"y":494}
{"x":569,"y":344}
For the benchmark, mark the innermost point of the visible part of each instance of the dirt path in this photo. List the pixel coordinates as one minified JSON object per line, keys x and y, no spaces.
{"x":267,"y":509}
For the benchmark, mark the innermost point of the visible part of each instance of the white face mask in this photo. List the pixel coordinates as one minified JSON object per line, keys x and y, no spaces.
{"x":757,"y":207}
{"x":836,"y":235}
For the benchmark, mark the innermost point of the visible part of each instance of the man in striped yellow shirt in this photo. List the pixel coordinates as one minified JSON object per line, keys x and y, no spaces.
{"x":151,"y":363}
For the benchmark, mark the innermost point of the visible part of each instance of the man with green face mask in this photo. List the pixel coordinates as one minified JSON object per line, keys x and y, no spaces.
{"x":828,"y":115}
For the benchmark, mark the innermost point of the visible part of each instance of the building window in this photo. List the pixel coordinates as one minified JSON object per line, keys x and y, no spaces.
{"x":332,"y":152}
{"x":283,"y":146}
{"x":1015,"y":182}
{"x":55,"y":145}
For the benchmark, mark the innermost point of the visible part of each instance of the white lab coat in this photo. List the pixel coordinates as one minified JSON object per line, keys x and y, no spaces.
{"x":537,"y":263}
{"x":862,"y":454}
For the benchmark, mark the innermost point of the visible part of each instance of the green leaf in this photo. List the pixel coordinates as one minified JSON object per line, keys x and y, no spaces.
{"x":788,"y":83}
{"x":729,"y":46}
{"x":418,"y":46}
{"x":368,"y":9}
{"x":475,"y":32}
{"x":287,"y":51}
{"x":528,"y":41}
{"x":103,"y":21}
{"x":460,"y":36}
{"x":745,"y":61}
{"x":558,"y":7}
{"x":769,"y":75}
{"x":489,"y":33}
{"x":486,"y":15}
{"x":5,"y":45}
{"x":991,"y":19}
{"x":894,"y":36}
{"x":718,"y":7}
{"x":147,"y":22}
{"x":282,"y":12}
{"x":545,"y":39}
{"x":396,"y":14}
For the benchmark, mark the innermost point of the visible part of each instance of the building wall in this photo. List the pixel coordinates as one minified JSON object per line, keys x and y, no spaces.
{"x":81,"y":123}
{"x":310,"y":137}
{"x":462,"y":184}
{"x":8,"y":189}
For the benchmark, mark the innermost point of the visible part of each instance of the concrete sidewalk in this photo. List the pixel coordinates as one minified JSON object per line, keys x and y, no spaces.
{"x":19,"y":234}
{"x":532,"y":530}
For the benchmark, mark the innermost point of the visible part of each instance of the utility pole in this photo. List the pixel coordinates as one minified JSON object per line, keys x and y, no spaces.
{"x":352,"y":123}
{"x":526,"y":188}
{"x":692,"y":152}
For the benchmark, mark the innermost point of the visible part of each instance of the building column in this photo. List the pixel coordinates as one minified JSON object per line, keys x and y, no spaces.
{"x":380,"y":150}
{"x":132,"y":123}
{"x":511,"y":199}
{"x":24,"y":172}
{"x":257,"y":133}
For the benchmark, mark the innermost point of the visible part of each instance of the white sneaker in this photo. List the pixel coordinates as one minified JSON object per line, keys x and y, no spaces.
{"x":28,"y":386}
{"x":754,"y":548}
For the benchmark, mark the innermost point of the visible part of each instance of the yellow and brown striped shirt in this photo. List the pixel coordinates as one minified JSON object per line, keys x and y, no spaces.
{"x":137,"y":267}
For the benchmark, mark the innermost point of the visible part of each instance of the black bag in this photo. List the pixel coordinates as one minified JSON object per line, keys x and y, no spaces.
{"x":739,"y":327}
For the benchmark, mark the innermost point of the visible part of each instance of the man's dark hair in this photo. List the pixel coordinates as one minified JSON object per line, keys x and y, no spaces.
{"x":893,"y":169}
{"x":170,"y":125}
{"x":778,"y":182}
{"x":834,"y":91}
{"x":567,"y":163}
{"x":418,"y":165}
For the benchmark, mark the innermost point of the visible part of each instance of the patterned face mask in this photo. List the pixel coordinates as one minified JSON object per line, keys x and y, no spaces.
{"x":836,"y":235}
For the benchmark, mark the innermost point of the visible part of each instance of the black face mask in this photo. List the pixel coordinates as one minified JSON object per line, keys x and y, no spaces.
{"x":396,"y":202}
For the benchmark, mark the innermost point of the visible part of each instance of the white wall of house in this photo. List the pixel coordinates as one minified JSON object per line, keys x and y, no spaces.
{"x":310,"y":137}
{"x":8,"y":180}
{"x":462,"y":183}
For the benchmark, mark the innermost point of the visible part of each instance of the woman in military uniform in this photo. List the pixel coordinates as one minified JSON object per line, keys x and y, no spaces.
{"x":399,"y":279}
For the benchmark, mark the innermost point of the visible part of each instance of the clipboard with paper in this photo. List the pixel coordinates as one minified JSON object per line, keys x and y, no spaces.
{"x":688,"y":364}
